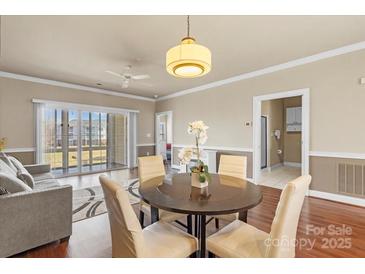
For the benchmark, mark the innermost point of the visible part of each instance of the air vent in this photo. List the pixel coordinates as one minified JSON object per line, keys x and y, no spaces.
{"x":351,"y":179}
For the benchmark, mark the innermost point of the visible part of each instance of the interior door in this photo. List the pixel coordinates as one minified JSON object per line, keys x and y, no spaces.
{"x":263,"y":142}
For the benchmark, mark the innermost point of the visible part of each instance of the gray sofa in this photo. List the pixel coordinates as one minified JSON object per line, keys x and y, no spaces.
{"x":34,"y":208}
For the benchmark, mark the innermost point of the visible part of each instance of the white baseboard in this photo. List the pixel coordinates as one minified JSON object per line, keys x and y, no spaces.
{"x":293,"y":164}
{"x":270,"y":168}
{"x":338,"y":198}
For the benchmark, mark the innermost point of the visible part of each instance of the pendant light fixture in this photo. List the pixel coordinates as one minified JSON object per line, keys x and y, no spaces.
{"x":188,"y":60}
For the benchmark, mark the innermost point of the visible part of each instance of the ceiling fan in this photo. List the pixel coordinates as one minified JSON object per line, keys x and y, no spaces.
{"x":127,"y":77}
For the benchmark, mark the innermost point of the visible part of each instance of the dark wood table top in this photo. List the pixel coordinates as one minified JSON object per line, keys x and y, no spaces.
{"x":224,"y":195}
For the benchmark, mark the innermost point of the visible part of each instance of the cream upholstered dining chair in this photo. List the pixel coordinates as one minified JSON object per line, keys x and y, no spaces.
{"x":150,"y":167}
{"x":129,"y":240}
{"x":239,"y":239}
{"x":234,"y":166}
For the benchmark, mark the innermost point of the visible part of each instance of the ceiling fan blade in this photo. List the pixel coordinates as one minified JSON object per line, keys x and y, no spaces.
{"x":141,"y":77}
{"x":115,"y":73}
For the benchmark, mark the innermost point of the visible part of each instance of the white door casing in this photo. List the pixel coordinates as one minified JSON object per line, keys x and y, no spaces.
{"x":257,"y":127}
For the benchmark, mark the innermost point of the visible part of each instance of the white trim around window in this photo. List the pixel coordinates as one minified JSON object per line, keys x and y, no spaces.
{"x":59,"y":104}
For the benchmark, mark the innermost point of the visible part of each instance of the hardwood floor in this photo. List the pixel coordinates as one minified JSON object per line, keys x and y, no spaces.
{"x":91,"y":237}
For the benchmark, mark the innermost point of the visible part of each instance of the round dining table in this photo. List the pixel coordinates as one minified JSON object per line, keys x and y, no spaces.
{"x":223,"y":195}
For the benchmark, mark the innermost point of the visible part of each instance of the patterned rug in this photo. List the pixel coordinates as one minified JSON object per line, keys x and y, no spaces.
{"x":89,"y":202}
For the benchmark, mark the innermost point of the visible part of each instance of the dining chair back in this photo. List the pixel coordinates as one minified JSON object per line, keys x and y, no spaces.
{"x":284,"y":226}
{"x":233,"y":165}
{"x":126,"y":232}
{"x":150,"y":167}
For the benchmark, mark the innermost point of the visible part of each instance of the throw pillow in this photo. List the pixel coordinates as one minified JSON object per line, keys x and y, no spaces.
{"x":25,"y":176}
{"x":6,"y":159}
{"x":12,"y":183}
{"x":22,"y":173}
{"x":18,"y":165}
{"x":3,"y":191}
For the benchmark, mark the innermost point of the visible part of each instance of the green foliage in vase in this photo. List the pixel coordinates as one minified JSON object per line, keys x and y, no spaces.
{"x":202,"y":170}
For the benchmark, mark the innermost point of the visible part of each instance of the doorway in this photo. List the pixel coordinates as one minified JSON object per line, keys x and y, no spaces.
{"x":163,"y":129}
{"x":281,"y":137}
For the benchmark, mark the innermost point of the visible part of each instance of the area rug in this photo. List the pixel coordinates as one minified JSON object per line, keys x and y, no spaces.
{"x":89,"y":202}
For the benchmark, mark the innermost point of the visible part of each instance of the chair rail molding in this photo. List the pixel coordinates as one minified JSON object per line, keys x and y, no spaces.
{"x":146,"y":145}
{"x":331,"y":154}
{"x":19,"y":149}
{"x":240,"y":149}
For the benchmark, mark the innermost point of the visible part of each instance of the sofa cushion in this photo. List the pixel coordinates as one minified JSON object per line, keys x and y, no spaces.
{"x":42,"y":176}
{"x":4,"y":167}
{"x":12,"y":184}
{"x":50,"y":183}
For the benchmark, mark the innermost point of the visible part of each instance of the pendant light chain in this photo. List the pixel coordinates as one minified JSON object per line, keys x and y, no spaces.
{"x":188,"y":59}
{"x":188,"y":21}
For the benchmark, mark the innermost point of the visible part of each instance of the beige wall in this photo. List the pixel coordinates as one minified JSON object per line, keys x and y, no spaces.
{"x":17,"y":114}
{"x":145,"y":150}
{"x":336,"y":105}
{"x":292,"y":140}
{"x":336,"y":110}
{"x":329,"y":175}
{"x":273,"y":109}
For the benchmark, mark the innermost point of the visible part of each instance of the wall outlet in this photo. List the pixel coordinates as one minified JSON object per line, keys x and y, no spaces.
{"x":148,"y":135}
{"x":148,"y":153}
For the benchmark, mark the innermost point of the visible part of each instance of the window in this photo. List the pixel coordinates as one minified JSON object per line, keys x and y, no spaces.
{"x":77,"y":141}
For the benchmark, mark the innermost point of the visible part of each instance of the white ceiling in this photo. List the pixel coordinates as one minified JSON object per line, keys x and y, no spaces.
{"x":78,"y":49}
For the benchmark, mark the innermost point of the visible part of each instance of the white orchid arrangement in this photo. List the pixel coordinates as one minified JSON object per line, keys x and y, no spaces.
{"x":199,"y":130}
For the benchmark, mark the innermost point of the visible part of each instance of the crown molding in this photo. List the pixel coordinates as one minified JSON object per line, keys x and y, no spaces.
{"x":291,"y":64}
{"x":72,"y":86}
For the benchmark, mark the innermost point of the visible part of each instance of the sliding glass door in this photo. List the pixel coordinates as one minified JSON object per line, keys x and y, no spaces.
{"x":76,"y":141}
